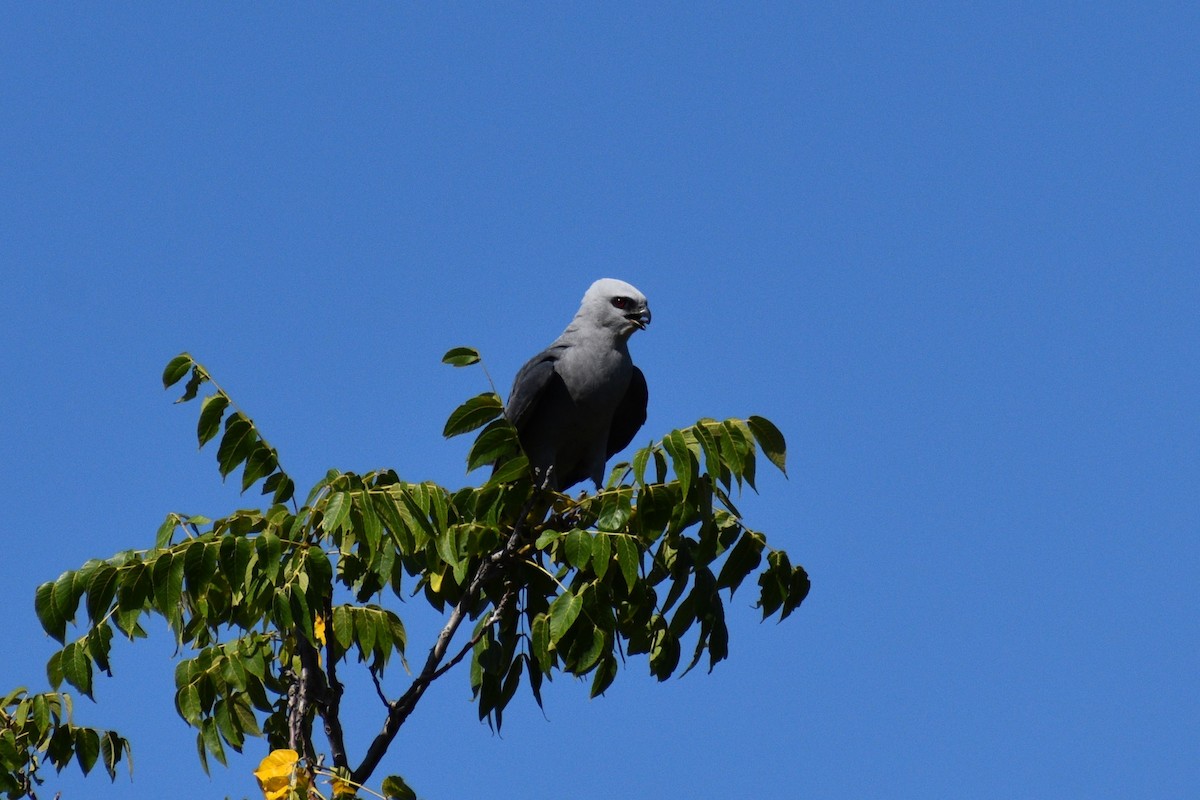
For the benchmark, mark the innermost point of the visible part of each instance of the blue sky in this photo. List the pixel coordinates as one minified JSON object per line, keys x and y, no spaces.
{"x":952,"y":251}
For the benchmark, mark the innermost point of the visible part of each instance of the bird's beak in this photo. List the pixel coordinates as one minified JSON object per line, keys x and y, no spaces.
{"x":641,"y":319}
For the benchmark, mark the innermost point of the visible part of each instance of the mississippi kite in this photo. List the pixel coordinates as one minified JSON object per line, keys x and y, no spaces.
{"x":581,"y":399}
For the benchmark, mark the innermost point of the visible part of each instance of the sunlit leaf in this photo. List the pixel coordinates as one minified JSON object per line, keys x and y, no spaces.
{"x":262,"y":461}
{"x":337,"y":509}
{"x":65,"y":596}
{"x":682,"y":460}
{"x":176,"y":368}
{"x":601,"y":555}
{"x":628,"y":558}
{"x":563,"y":613}
{"x":394,"y":788}
{"x":274,"y":773}
{"x":578,"y":548}
{"x":236,"y":442}
{"x":474,"y":413}
{"x":498,"y":439}
{"x":102,"y":588}
{"x":512,"y":469}
{"x":212,"y":409}
{"x":461,"y":357}
{"x":77,"y":667}
{"x":47,"y":612}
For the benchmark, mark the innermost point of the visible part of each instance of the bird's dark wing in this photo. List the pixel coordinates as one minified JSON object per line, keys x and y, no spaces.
{"x":530,"y":384}
{"x":630,"y":414}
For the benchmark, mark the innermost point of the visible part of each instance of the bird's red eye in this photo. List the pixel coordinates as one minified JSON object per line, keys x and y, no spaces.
{"x":620,"y":302}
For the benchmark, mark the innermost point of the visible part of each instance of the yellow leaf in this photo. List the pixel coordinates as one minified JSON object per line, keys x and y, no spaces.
{"x":342,"y":788}
{"x":319,"y":629}
{"x":274,"y":774}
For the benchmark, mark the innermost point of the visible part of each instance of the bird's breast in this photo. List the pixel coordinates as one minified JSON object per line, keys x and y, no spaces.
{"x":597,"y":378}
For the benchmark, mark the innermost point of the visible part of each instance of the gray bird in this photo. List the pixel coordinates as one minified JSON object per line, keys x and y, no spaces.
{"x":581,"y":399}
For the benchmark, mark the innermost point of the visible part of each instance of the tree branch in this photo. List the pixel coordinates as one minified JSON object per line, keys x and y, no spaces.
{"x":314,"y":689}
{"x":330,"y":710}
{"x":402,"y":707}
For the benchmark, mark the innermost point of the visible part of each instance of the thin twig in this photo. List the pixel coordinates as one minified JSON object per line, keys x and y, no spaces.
{"x":379,"y":687}
{"x":401,"y":708}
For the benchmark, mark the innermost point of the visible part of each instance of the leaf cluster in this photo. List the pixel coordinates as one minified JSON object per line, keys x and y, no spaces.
{"x":267,"y":604}
{"x":38,"y":728}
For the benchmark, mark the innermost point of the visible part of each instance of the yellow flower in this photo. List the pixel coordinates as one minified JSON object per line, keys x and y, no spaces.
{"x":275,"y":774}
{"x":319,"y":629}
{"x":341,"y":787}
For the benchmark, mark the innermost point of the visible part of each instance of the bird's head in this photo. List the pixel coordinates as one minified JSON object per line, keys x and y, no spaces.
{"x":615,"y":305}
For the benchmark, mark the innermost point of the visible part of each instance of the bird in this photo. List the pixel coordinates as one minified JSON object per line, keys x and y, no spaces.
{"x":582,"y":400}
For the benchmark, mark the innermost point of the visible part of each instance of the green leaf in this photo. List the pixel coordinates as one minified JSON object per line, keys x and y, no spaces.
{"x":394,"y":787}
{"x":713,"y":464}
{"x":628,"y":558}
{"x":399,"y":635}
{"x":212,"y":409}
{"x":770,"y":440}
{"x":474,"y":413}
{"x":539,"y":641}
{"x":615,"y":510}
{"x":739,"y":441}
{"x":546,"y":537}
{"x":563,"y":613}
{"x":743,"y":559}
{"x":112,"y":748}
{"x":212,"y":740}
{"x":281,"y":611}
{"x":664,"y":654}
{"x":364,"y":630}
{"x":166,"y":530}
{"x":65,"y":596}
{"x":167,"y":590}
{"x":281,"y":485}
{"x":605,"y":674}
{"x":337,"y":509}
{"x":87,"y":748}
{"x":774,"y":582}
{"x":47,"y":612}
{"x":343,"y":626}
{"x":498,"y":439}
{"x":236,"y":443}
{"x":77,"y":668}
{"x":54,"y":670}
{"x":102,"y":588}
{"x":512,"y":469}
{"x":99,"y":643}
{"x":601,"y":554}
{"x":193,"y":384}
{"x":461,"y":357}
{"x":187,"y":703}
{"x":199,"y":565}
{"x":798,"y":588}
{"x":578,"y":548}
{"x":228,"y":725}
{"x":586,"y":651}
{"x":639,"y":464}
{"x":269,"y":549}
{"x":176,"y":368}
{"x":261,"y":462}
{"x":682,"y":460}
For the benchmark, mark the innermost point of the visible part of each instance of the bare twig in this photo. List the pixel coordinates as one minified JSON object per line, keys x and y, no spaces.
{"x":379,"y":687}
